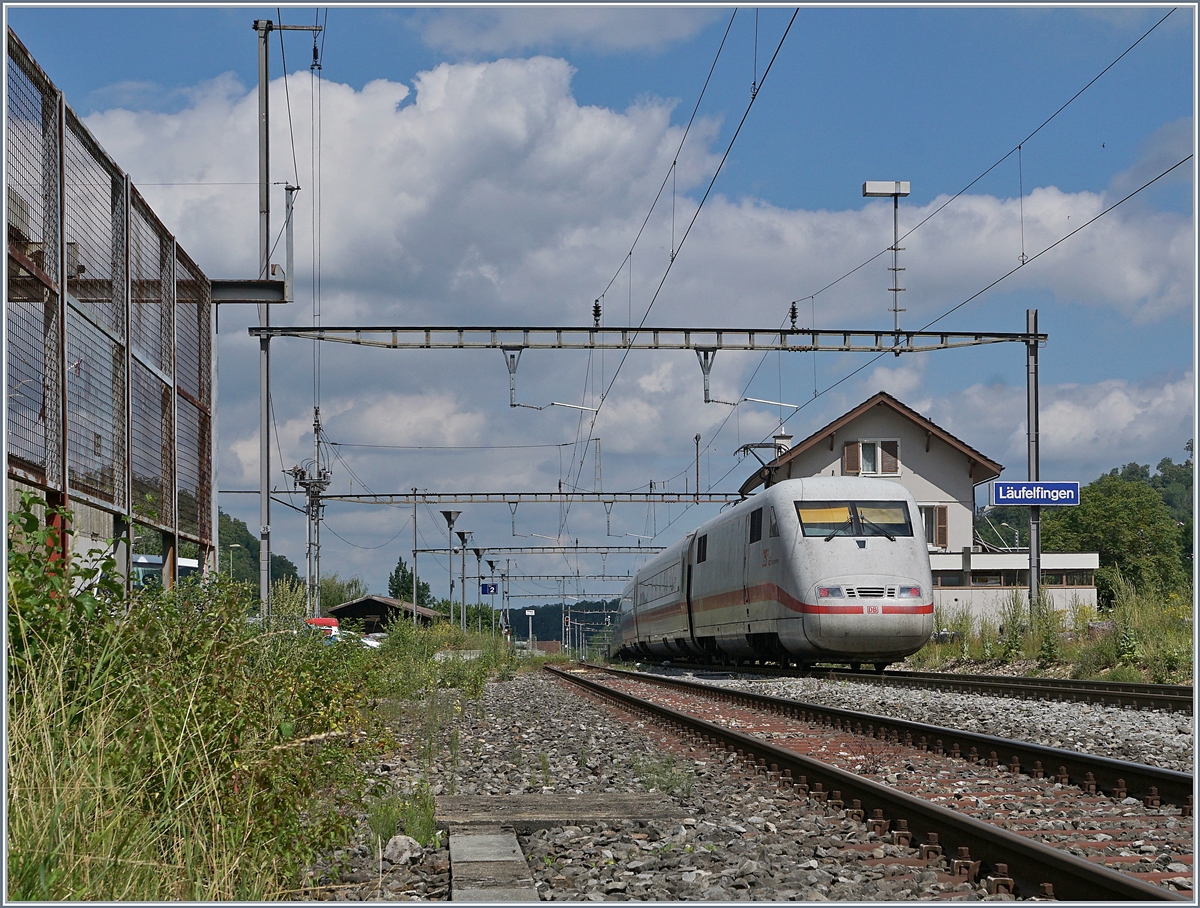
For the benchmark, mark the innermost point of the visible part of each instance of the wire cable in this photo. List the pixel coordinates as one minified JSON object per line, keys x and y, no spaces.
{"x":675,"y":161}
{"x":997,"y":163}
{"x":686,"y":233}
{"x":287,"y":96}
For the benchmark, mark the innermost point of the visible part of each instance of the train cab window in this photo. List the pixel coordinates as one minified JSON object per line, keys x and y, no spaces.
{"x":854,"y":518}
{"x":773,"y":530}
{"x":702,"y":549}
{"x":820,"y":518}
{"x":884,"y":518}
{"x":756,"y":525}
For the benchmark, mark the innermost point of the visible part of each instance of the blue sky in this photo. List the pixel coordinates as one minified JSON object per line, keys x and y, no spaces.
{"x":500,"y":169}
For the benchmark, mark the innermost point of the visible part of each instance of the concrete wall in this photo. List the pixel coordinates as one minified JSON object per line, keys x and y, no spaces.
{"x":988,"y":602}
{"x":939,"y":476}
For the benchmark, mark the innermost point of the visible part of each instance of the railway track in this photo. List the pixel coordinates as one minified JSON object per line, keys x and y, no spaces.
{"x":907,"y":811}
{"x":1165,"y":697}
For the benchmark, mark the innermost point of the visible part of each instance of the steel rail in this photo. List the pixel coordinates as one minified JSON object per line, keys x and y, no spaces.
{"x":1172,"y":697}
{"x":1166,"y":697}
{"x":1100,"y":774}
{"x":594,"y":337}
{"x":1031,"y":865}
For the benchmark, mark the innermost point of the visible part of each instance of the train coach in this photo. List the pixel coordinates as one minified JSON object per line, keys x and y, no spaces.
{"x":825,"y":569}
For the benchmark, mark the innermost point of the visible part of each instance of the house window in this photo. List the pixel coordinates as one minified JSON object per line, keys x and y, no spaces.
{"x":756,"y":525}
{"x":871,"y":457}
{"x":702,"y":549}
{"x":934,"y":516}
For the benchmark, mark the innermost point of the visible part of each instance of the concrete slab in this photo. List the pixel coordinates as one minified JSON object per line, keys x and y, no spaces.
{"x":517,"y":895}
{"x":491,"y":873}
{"x":474,"y":848}
{"x":526,"y":813}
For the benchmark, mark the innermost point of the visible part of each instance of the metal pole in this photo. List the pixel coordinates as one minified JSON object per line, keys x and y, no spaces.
{"x":896,"y":261}
{"x":416,"y":583}
{"x":478,"y":592}
{"x":1031,"y":397}
{"x":263,"y":27}
{"x":450,"y":517}
{"x":462,"y":611}
{"x":697,"y":468}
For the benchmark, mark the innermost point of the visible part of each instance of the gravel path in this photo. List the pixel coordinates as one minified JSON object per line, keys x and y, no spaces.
{"x":740,"y":840}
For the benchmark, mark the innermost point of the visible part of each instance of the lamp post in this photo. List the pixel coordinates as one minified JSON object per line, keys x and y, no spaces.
{"x":451,"y":516}
{"x":232,"y":546}
{"x":896,"y":189}
{"x":1016,"y":535}
{"x":462,"y":611}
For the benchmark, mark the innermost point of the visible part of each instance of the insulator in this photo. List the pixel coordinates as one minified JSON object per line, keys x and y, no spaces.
{"x":596,"y":312}
{"x":793,"y":315}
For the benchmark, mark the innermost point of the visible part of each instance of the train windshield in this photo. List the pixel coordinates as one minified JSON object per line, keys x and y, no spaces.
{"x":854,"y":518}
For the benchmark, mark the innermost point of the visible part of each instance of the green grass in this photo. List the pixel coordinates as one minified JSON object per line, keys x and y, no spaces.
{"x":162,"y":747}
{"x":1150,"y":638}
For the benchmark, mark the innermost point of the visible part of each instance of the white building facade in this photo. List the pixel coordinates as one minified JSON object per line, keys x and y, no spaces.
{"x":883,"y":438}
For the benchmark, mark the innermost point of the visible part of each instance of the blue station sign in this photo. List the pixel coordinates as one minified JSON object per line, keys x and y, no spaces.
{"x":489,"y":589}
{"x":1035,"y":493}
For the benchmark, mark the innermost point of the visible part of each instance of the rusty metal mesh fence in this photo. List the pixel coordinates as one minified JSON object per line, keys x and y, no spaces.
{"x":195,"y":515}
{"x":151,"y":454}
{"x":94,"y":196}
{"x":193,"y":331}
{"x":150,"y":258}
{"x":33,"y":408}
{"x":138,"y":432}
{"x":95,"y":411}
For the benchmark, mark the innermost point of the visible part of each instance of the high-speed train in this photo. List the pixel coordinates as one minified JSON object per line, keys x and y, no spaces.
{"x":825,"y":569}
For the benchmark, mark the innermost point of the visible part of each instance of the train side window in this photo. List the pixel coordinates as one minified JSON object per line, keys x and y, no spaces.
{"x":773,"y":531}
{"x":702,"y":549}
{"x":756,"y":525}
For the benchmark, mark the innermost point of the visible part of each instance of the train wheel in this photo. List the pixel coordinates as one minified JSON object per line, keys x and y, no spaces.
{"x":880,"y":667}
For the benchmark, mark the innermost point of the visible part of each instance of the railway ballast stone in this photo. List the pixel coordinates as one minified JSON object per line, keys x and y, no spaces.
{"x":740,"y":838}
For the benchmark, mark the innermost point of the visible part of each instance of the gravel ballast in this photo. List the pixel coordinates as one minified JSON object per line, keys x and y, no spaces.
{"x":740,"y":837}
{"x":1139,"y":736}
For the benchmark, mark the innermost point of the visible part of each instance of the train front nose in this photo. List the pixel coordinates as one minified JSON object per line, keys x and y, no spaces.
{"x":870,"y":616}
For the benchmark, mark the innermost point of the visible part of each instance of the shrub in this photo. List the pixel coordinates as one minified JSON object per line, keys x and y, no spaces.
{"x":161,"y":747}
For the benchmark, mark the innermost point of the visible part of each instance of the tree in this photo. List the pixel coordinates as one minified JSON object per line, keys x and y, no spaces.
{"x":335,"y":590}
{"x":239,"y":548}
{"x":400,"y":583}
{"x":1126,"y":521}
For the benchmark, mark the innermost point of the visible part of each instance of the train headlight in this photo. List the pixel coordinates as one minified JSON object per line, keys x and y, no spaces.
{"x":908,"y":592}
{"x":830,"y":592}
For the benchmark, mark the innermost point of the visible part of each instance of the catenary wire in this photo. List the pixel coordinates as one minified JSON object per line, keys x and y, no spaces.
{"x":287,"y":96}
{"x":683,"y":239}
{"x":675,"y":160}
{"x":858,"y":267}
{"x":996,"y":164}
{"x":979,"y":293}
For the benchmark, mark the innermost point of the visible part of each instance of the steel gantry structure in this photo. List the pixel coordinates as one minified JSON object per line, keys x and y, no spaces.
{"x":512,"y":341}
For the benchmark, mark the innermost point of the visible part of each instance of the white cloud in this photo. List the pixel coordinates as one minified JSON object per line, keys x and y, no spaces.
{"x":596,"y":29}
{"x":1084,"y":429}
{"x":487,"y":195}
